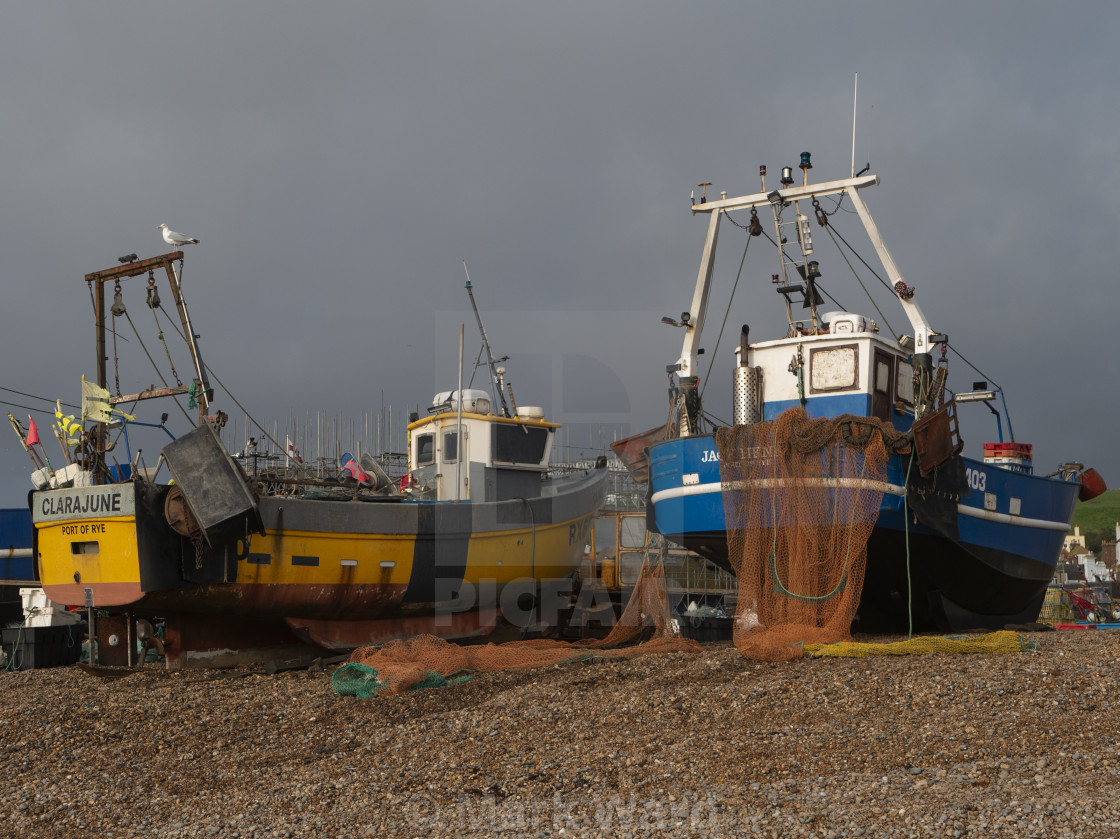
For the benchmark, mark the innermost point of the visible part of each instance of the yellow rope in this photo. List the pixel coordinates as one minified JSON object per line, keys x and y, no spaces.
{"x":1003,"y":641}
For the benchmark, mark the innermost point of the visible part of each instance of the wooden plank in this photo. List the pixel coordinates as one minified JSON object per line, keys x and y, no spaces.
{"x":149,"y":394}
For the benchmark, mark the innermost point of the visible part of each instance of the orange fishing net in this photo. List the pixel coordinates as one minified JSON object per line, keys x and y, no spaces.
{"x":801,"y":498}
{"x":427,"y":660}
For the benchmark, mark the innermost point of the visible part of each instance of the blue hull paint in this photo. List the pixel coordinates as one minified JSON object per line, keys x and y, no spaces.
{"x":992,"y":574}
{"x":15,"y":535}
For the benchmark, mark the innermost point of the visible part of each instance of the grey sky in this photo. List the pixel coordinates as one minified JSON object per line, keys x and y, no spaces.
{"x":339,"y":161}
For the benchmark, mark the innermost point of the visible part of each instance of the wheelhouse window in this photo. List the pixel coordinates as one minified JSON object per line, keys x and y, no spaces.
{"x":605,"y":536}
{"x":425,"y":449}
{"x":904,"y":387}
{"x":450,"y":446}
{"x":518,"y":443}
{"x":833,"y":368}
{"x":633,"y":532}
{"x":882,"y":375}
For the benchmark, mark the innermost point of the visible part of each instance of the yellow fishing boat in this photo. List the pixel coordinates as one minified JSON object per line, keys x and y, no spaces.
{"x":478,"y":530}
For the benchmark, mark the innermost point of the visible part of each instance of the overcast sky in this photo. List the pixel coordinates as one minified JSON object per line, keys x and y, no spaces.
{"x":340,"y":161}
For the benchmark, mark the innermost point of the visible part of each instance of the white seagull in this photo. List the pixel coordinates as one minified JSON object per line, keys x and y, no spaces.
{"x":176,"y":239}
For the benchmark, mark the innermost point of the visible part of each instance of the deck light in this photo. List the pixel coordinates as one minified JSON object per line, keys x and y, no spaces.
{"x":774,"y":197}
{"x":814,"y":269}
{"x":976,"y":396}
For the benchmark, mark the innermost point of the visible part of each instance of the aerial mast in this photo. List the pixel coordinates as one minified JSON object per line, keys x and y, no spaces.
{"x":491,"y":362}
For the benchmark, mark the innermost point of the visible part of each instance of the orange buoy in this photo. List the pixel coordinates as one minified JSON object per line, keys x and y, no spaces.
{"x":1092,"y":485}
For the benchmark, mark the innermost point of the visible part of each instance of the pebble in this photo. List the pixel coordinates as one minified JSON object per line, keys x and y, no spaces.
{"x":662,"y":745}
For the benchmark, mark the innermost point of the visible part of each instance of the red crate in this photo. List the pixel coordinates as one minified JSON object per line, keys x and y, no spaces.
{"x":1022,"y":450}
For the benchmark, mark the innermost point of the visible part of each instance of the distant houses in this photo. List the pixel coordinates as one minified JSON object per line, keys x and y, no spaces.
{"x":1078,"y":563}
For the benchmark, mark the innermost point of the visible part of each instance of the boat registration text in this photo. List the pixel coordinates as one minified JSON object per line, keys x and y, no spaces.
{"x":82,"y":502}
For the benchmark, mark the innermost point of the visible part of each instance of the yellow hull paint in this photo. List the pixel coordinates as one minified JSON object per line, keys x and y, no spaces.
{"x":85,"y":553}
{"x":104,"y":554}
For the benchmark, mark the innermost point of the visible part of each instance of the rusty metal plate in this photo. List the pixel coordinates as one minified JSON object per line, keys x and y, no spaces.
{"x":116,"y":640}
{"x":936,"y":438}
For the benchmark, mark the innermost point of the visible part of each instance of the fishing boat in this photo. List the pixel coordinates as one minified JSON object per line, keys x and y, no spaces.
{"x":958,"y":541}
{"x":237,"y":567}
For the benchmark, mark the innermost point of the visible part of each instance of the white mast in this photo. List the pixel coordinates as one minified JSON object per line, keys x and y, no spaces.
{"x":855,"y":97}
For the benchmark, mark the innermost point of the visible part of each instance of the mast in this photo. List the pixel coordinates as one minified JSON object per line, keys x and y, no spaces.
{"x":491,"y":362}
{"x":124,"y":271}
{"x":203,"y":398}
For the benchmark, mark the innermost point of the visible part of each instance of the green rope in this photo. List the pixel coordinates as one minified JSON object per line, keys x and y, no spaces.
{"x":906,"y":531}
{"x":819,"y":599}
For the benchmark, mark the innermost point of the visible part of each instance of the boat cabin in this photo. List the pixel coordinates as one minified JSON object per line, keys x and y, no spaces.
{"x":474,"y":455}
{"x":844,"y":367}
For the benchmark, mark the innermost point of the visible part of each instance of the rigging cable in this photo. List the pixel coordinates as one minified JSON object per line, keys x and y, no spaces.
{"x":726,"y":312}
{"x":26,"y":407}
{"x":33,"y":396}
{"x":855,"y":274}
{"x":818,"y":286}
{"x":906,"y":531}
{"x":885,"y":284}
{"x":155,"y":316}
{"x":248,"y":416}
{"x":116,"y":358}
{"x":155,"y":366}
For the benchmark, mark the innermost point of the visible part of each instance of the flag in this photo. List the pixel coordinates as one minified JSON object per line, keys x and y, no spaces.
{"x":95,"y":402}
{"x":292,"y":452}
{"x":32,"y":432}
{"x":350,"y":465}
{"x":70,"y":427}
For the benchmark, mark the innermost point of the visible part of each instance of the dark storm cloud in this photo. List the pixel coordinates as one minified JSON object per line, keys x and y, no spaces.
{"x":339,"y":161}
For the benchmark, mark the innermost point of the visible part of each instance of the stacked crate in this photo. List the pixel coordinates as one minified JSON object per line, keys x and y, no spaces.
{"x":1013,"y":456}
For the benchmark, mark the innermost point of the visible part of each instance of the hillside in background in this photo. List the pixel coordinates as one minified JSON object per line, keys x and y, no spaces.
{"x":1097,"y":518}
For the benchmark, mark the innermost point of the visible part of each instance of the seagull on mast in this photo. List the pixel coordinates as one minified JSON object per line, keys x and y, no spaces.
{"x":176,"y":239}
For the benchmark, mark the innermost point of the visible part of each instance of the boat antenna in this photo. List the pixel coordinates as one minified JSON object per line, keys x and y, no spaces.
{"x":491,"y":362}
{"x":855,"y":98}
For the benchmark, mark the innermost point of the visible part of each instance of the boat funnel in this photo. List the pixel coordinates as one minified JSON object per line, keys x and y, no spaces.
{"x":746,"y":392}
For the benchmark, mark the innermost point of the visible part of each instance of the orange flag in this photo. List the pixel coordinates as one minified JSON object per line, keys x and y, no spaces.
{"x":32,"y":432}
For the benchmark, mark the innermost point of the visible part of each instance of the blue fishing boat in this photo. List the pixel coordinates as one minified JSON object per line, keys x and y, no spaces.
{"x":958,"y":541}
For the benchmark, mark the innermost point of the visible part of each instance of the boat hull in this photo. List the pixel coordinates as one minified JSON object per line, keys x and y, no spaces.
{"x":985,"y":565}
{"x":317,"y":560}
{"x":17,"y":562}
